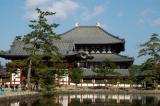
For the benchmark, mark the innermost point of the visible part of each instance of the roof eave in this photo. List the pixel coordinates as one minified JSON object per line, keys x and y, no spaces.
{"x":13,"y":57}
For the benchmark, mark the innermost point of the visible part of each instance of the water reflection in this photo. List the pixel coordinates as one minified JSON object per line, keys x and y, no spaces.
{"x":88,"y":100}
{"x":105,"y":100}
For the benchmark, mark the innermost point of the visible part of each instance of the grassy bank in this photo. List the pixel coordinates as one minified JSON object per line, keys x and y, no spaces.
{"x":17,"y":95}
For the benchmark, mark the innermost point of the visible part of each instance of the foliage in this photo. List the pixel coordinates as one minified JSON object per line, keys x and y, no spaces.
{"x":151,"y":47}
{"x":100,"y":81}
{"x":87,"y":80}
{"x":39,"y":45}
{"x":14,"y":64}
{"x":150,"y":67}
{"x":157,"y":72}
{"x":112,"y":81}
{"x":151,"y":70}
{"x":42,"y":36}
{"x":134,"y":74}
{"x":76,"y":75}
{"x":61,"y":69}
{"x":43,"y":72}
{"x":106,"y":68}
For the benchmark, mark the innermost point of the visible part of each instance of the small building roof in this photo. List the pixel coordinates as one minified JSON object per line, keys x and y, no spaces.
{"x":65,"y":47}
{"x":16,"y":51}
{"x":111,"y":57}
{"x":91,"y":35}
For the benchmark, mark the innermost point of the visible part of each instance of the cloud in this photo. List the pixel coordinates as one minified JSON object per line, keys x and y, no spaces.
{"x":87,"y":15}
{"x":156,"y":22}
{"x":148,"y":17}
{"x":140,"y":21}
{"x":63,"y":8}
{"x":147,"y":12}
{"x":120,"y":14}
{"x":33,"y":3}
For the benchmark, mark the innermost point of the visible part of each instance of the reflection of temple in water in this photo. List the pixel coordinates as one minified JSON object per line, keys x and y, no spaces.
{"x":99,"y":99}
{"x":88,"y":100}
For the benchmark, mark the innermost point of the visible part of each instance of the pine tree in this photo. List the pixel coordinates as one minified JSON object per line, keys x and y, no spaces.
{"x":42,"y":52}
{"x":150,"y":67}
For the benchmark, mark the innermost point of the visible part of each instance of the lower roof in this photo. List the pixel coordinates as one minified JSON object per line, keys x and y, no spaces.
{"x":13,"y":56}
{"x":17,"y":51}
{"x":121,"y":72}
{"x":110,"y":57}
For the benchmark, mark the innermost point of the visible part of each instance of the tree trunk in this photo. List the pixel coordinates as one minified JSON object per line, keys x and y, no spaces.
{"x":155,"y":85}
{"x":29,"y":74}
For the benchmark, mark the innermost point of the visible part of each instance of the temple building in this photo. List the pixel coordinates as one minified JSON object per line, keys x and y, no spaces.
{"x":100,"y":44}
{"x":78,"y":43}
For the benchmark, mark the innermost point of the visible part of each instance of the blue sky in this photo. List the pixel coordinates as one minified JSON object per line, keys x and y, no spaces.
{"x":133,"y":20}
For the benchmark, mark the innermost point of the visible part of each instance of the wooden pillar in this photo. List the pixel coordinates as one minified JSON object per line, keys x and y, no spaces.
{"x":93,"y":82}
{"x":81,"y":82}
{"x":69,"y":69}
{"x":69,"y":81}
{"x":20,"y":75}
{"x":10,"y":79}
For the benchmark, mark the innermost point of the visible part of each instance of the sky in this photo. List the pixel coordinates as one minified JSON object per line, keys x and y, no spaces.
{"x":133,"y":20}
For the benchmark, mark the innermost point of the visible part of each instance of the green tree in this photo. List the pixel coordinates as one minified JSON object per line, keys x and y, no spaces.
{"x":151,"y":49}
{"x":13,"y":65}
{"x":106,"y":68}
{"x":39,"y":45}
{"x":134,"y":74}
{"x":60,"y":71}
{"x":76,"y":75}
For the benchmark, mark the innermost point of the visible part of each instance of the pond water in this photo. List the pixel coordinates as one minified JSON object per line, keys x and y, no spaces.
{"x":88,"y":100}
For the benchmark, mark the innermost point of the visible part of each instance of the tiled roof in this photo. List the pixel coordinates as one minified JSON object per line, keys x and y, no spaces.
{"x":88,"y":72}
{"x":17,"y":48}
{"x":111,"y":57}
{"x":91,"y":35}
{"x":122,"y":72}
{"x":65,"y":47}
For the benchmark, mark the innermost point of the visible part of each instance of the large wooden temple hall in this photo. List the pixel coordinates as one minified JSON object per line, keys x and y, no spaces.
{"x":84,"y":41}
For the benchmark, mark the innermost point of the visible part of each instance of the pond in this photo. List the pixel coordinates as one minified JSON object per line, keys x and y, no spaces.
{"x":88,"y":100}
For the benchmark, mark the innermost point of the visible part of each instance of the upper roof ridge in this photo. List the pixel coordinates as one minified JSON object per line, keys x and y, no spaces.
{"x":84,"y":35}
